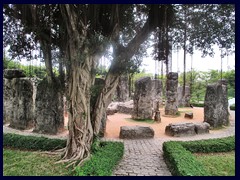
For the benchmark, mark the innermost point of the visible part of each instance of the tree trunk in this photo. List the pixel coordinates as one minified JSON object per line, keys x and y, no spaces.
{"x":184,"y":55}
{"x":47,"y":55}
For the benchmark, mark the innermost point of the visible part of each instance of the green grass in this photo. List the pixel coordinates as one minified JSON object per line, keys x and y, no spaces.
{"x":149,"y":121}
{"x":104,"y":159}
{"x":216,"y":164}
{"x":26,"y":163}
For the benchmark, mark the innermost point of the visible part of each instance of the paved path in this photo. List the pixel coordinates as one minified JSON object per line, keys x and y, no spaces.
{"x":145,"y":157}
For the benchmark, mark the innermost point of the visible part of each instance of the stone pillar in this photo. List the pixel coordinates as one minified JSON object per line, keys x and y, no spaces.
{"x":142,"y":101}
{"x":171,"y":94}
{"x":48,"y":108}
{"x":156,"y":92}
{"x":122,"y":91}
{"x":23,"y":114}
{"x":183,"y":100}
{"x":18,"y":99}
{"x":7,"y":101}
{"x":216,"y":104}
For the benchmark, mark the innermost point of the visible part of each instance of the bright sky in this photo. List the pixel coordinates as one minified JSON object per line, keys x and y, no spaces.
{"x":199,"y":63}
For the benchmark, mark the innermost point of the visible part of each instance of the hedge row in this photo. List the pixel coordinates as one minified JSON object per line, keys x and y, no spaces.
{"x":32,"y":142}
{"x":103,"y":160}
{"x":181,"y":162}
{"x":210,"y":145}
{"x":198,"y":104}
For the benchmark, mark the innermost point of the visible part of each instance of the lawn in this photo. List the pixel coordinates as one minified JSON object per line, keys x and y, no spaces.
{"x":218,"y":164}
{"x":28,"y":163}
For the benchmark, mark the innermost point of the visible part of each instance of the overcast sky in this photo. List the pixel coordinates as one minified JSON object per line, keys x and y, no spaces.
{"x":199,"y":63}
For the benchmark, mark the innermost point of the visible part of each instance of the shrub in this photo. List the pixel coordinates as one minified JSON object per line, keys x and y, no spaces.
{"x":210,"y":145}
{"x":232,"y":107}
{"x":198,"y":104}
{"x":180,"y":161}
{"x":32,"y":142}
{"x":103,"y":160}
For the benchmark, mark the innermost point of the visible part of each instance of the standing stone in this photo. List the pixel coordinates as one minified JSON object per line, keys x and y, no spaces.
{"x":183,"y":101}
{"x":216,"y":104}
{"x":171,"y":94}
{"x":122,"y":91}
{"x":22,"y":107}
{"x":49,"y":108}
{"x":156,"y":92}
{"x":7,"y":100}
{"x":142,"y":101}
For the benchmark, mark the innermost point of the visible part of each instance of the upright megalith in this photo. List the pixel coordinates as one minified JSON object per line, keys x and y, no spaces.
{"x":49,"y":108}
{"x":7,"y":100}
{"x":122,"y":91}
{"x":147,"y":94}
{"x":184,"y":100}
{"x":18,"y":99}
{"x":157,"y":87}
{"x":142,"y":100}
{"x":216,"y":104}
{"x":171,"y":107}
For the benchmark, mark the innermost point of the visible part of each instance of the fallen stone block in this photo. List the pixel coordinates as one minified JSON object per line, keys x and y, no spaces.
{"x":189,"y":115}
{"x":136,"y":132}
{"x":180,"y":129}
{"x":202,"y":128}
{"x":187,"y":129}
{"x":13,"y":73}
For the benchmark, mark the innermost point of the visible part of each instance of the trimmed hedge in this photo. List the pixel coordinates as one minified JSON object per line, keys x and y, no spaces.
{"x":198,"y":104}
{"x":210,"y":145}
{"x":103,"y":160}
{"x":32,"y":142}
{"x":181,"y":162}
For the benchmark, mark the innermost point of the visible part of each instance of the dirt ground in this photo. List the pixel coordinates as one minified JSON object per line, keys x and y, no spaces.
{"x":114,"y":122}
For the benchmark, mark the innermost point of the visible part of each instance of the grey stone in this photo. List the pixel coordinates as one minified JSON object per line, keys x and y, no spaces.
{"x":171,"y":103}
{"x":13,"y":73}
{"x":22,"y":104}
{"x":187,"y":129}
{"x":49,"y":108}
{"x":7,"y":100}
{"x":122,"y":91}
{"x":147,"y":94}
{"x":112,"y":108}
{"x":202,"y":128}
{"x":216,"y":104}
{"x":125,"y":107}
{"x":136,"y":132}
{"x":180,"y":129}
{"x":188,"y":115}
{"x":183,"y":101}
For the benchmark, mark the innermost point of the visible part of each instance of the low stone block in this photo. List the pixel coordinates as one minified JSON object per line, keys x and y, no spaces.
{"x":202,"y":128}
{"x":180,"y":129}
{"x":13,"y":73}
{"x":136,"y":132}
{"x":189,"y":115}
{"x":187,"y":129}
